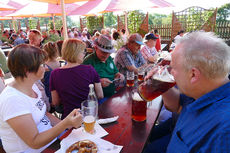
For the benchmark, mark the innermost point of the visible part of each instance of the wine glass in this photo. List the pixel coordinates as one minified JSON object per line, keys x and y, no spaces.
{"x":89,"y":110}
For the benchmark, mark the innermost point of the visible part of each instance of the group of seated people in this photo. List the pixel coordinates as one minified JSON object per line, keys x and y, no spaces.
{"x":40,"y":82}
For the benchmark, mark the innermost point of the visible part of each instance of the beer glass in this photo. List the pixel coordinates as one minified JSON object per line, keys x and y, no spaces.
{"x":141,"y":75}
{"x":139,"y":107}
{"x":159,"y":83}
{"x":130,"y":79}
{"x":164,"y":58}
{"x":89,"y":113}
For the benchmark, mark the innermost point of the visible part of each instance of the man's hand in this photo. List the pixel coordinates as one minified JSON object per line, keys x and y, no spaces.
{"x":105,"y":82}
{"x":120,"y":76}
{"x":151,"y":73}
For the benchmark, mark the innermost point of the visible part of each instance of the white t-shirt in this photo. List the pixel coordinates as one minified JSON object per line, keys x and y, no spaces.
{"x":15,"y":103}
{"x":177,"y":37}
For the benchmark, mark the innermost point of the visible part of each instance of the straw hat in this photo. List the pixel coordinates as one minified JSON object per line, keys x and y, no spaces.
{"x":104,"y":43}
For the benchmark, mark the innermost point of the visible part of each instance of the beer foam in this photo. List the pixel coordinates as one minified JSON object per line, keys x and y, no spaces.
{"x":165,"y":55}
{"x":89,"y":119}
{"x":164,"y":78}
{"x":163,"y":75}
{"x":136,"y":97}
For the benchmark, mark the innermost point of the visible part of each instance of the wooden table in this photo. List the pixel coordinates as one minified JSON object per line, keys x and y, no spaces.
{"x":130,"y":134}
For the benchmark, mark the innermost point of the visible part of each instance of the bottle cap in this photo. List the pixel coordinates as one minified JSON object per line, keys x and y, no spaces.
{"x":91,"y":85}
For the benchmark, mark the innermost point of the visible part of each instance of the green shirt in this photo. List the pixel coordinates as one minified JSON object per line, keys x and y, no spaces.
{"x":104,"y":70}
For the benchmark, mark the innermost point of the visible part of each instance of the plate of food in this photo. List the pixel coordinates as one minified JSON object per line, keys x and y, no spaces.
{"x":88,"y":145}
{"x":83,"y":146}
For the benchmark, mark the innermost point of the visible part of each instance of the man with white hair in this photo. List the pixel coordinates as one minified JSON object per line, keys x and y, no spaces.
{"x":200,"y":65}
{"x":35,"y":38}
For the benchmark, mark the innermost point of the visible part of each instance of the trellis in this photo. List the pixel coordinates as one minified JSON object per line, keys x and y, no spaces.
{"x":82,"y":23}
{"x":193,"y":19}
{"x":142,"y":29}
{"x":120,"y":22}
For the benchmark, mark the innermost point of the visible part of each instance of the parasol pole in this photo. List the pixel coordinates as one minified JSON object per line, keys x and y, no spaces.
{"x":53,"y":21}
{"x":126,"y":23}
{"x":2,"y":27}
{"x":14,"y":23}
{"x":64,"y":19}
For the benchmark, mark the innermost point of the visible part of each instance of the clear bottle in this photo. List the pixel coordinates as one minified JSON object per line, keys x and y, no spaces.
{"x":92,"y":96}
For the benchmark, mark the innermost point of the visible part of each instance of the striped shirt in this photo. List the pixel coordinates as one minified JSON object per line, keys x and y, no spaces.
{"x":125,"y":58}
{"x":148,"y":52}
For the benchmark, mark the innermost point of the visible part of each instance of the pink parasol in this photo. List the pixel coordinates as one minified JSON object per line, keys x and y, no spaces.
{"x":40,"y":9}
{"x":101,"y":6}
{"x":5,"y":7}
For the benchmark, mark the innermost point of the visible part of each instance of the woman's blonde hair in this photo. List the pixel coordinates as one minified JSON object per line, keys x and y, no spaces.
{"x":71,"y":48}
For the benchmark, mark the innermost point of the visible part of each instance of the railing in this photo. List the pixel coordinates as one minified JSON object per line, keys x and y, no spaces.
{"x":164,"y":30}
{"x":223,"y":29}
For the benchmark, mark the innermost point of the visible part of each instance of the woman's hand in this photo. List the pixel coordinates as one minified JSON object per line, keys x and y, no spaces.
{"x":74,"y":119}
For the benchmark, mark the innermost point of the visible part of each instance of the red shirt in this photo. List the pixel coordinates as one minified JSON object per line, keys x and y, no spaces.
{"x":158,"y":43}
{"x":1,"y":73}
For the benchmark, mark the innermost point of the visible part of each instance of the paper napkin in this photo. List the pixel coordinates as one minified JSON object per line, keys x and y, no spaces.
{"x":107,"y":120}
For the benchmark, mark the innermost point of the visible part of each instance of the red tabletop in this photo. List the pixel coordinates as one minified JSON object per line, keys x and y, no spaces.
{"x":130,"y":134}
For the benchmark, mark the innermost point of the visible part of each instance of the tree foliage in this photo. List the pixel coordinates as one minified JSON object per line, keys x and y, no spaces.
{"x":45,"y":22}
{"x":158,"y":19}
{"x":223,"y":13}
{"x":110,"y":20}
{"x":94,"y":23}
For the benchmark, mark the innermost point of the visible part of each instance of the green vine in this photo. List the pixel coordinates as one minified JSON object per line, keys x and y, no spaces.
{"x":134,"y":21}
{"x":32,"y":23}
{"x":196,"y":19}
{"x":58,"y":24}
{"x":94,"y":23}
{"x":53,"y":38}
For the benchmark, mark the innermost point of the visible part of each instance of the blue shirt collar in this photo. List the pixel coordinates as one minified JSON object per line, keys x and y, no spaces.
{"x":211,"y":97}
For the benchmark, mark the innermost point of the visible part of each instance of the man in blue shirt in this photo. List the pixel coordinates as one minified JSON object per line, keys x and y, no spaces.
{"x":17,"y":40}
{"x":200,"y":65}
